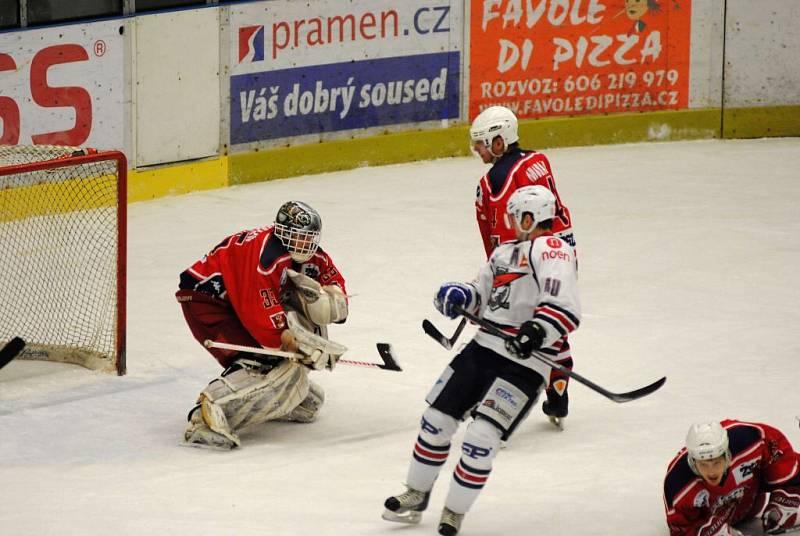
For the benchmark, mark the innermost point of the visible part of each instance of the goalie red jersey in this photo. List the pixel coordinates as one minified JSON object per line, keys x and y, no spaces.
{"x":248,"y":270}
{"x":761,"y":461}
{"x":515,"y":169}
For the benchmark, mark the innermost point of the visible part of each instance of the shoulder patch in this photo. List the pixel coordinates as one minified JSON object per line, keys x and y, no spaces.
{"x":742,"y":437}
{"x":273,"y":250}
{"x":679,"y":477}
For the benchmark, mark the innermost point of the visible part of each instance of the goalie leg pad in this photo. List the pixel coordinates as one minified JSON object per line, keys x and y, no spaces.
{"x":308,"y":408}
{"x":248,"y":396}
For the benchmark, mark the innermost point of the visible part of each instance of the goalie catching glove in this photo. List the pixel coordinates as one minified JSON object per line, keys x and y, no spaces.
{"x":319,"y":352}
{"x":322,"y":305}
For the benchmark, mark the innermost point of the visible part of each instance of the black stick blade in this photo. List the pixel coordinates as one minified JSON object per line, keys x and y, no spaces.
{"x":638,"y":393}
{"x":389,"y":359}
{"x":435,"y":334}
{"x":11,"y":350}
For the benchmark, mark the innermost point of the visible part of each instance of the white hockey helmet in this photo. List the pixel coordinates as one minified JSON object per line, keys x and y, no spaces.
{"x":707,"y":441}
{"x":298,"y":226}
{"x":536,"y":200}
{"x":492,"y":122}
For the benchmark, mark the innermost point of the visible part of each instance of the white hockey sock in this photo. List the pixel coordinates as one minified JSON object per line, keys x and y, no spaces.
{"x":481,"y":443}
{"x":431,"y":449}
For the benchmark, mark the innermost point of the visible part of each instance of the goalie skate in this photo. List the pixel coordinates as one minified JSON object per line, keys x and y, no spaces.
{"x":406,"y":507}
{"x":199,"y":435}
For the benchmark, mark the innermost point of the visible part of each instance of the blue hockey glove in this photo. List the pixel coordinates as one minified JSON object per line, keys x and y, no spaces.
{"x":450,"y":295}
{"x":530,"y":338}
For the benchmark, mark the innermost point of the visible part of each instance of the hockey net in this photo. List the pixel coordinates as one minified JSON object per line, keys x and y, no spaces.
{"x":62,"y":254}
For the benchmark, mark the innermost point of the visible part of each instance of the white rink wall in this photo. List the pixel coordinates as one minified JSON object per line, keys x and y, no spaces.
{"x":178,"y":86}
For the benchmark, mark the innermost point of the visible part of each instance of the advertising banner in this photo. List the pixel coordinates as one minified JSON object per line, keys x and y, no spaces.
{"x":575,"y":57}
{"x":301,"y":68}
{"x":63,"y":86}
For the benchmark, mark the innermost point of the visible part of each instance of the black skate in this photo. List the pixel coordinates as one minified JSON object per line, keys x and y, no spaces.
{"x":450,"y":522}
{"x":406,"y":507}
{"x":556,"y":408}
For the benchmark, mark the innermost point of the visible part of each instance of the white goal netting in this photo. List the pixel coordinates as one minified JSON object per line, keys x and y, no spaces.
{"x":62,"y":249}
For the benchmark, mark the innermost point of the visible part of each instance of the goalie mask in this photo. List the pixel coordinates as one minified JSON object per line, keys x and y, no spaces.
{"x":298,"y":226}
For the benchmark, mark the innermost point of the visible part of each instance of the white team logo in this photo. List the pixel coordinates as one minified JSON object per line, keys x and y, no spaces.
{"x":701,"y":499}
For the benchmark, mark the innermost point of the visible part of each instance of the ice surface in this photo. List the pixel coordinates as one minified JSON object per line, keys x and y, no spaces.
{"x":688,"y":259}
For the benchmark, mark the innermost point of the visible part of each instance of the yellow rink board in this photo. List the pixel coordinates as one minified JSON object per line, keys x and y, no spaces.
{"x":407,"y":146}
{"x":48,"y":197}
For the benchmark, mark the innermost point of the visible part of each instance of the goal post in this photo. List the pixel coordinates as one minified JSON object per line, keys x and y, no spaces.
{"x":63,"y":234}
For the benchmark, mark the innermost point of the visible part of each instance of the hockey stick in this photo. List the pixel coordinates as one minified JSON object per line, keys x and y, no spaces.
{"x":384,"y":349}
{"x":437,"y":335}
{"x":10,"y":351}
{"x":616,"y":397}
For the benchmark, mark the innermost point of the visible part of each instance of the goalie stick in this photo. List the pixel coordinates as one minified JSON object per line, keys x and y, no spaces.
{"x":615,"y":397}
{"x":10,"y":351}
{"x":384,"y":350}
{"x":433,"y":332}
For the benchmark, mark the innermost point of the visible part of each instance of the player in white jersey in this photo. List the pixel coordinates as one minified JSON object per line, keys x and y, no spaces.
{"x":527,"y":288}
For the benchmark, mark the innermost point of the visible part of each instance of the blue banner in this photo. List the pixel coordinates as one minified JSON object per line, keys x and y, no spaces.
{"x":344,"y":96}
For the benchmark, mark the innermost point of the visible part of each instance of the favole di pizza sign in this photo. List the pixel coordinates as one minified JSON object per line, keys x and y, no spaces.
{"x":576,"y":57}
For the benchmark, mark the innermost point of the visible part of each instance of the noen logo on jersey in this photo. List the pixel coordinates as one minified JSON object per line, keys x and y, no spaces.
{"x":251,"y":43}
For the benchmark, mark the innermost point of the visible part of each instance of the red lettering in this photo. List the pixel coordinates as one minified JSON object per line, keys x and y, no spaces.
{"x":329,"y":274}
{"x":549,"y":255}
{"x":554,"y":243}
{"x":269,"y":297}
{"x":61,"y":97}
{"x":9,"y":111}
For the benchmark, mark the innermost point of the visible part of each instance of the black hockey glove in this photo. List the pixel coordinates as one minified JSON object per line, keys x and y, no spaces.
{"x":528,"y":339}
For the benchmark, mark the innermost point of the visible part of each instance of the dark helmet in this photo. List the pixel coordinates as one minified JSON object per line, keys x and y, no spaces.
{"x":298,"y":226}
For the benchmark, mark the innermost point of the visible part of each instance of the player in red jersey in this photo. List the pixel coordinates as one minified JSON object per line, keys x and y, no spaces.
{"x":725,"y":475}
{"x":240,"y":293}
{"x":495,"y":139}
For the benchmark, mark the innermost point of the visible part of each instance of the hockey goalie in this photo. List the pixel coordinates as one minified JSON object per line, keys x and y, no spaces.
{"x":272,"y":288}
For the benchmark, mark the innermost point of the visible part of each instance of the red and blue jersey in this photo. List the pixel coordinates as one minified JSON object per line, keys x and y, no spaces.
{"x":512,"y":171}
{"x":248,"y":270}
{"x":762,"y":459}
